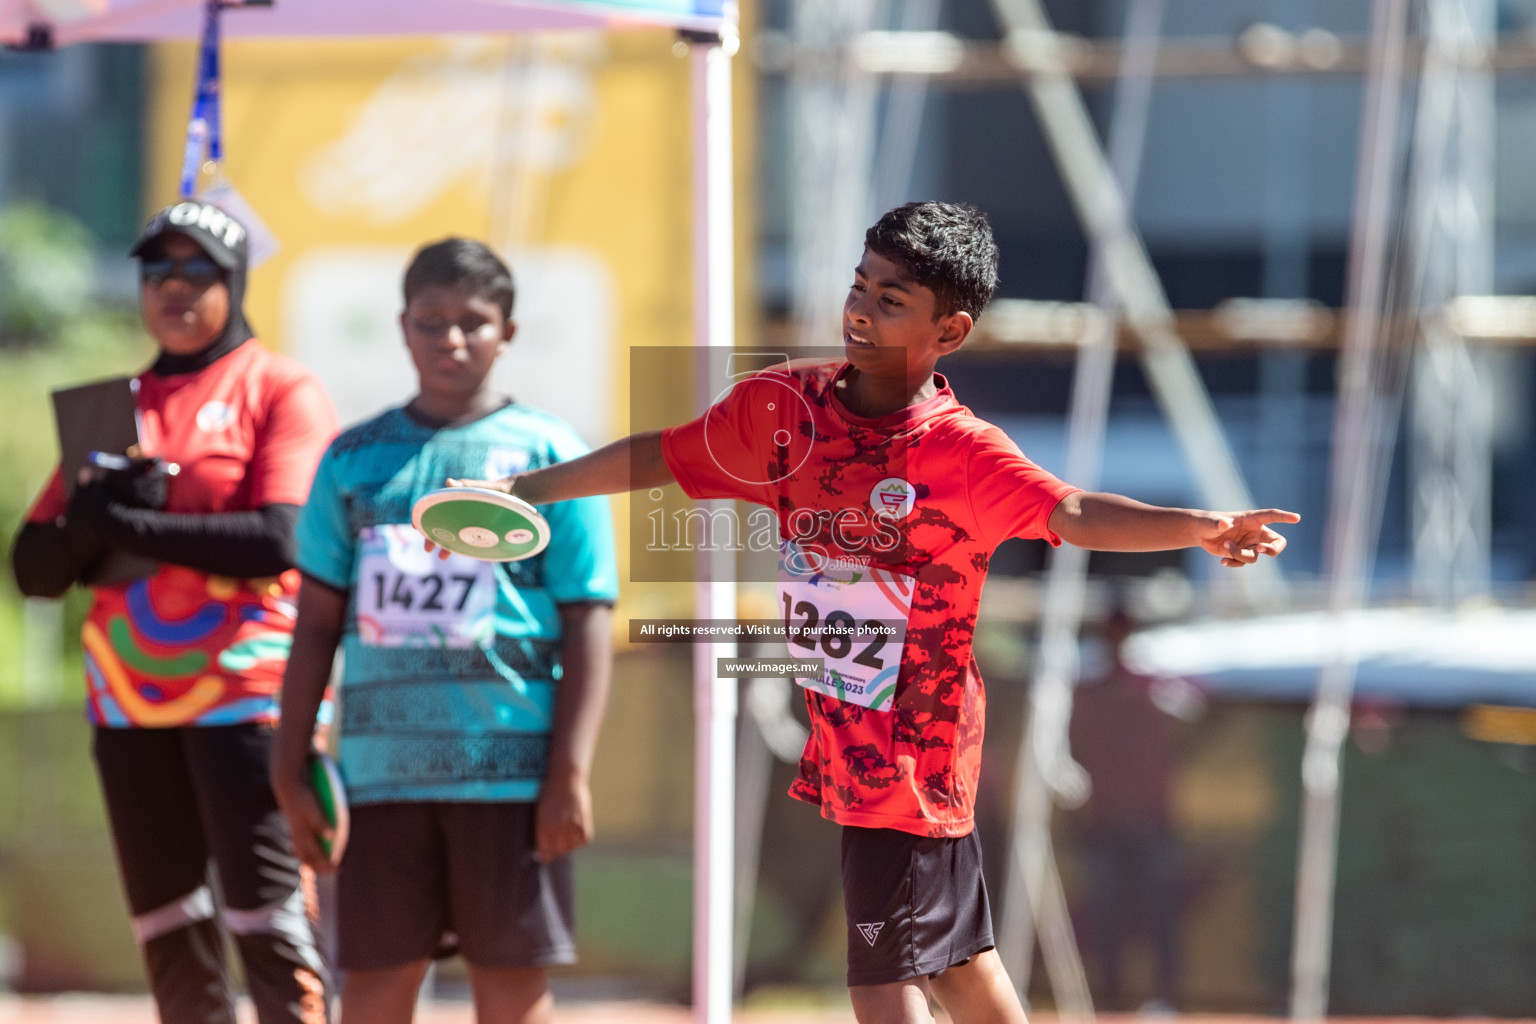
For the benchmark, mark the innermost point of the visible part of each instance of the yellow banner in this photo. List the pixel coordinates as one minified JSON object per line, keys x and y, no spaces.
{"x":568,"y":152}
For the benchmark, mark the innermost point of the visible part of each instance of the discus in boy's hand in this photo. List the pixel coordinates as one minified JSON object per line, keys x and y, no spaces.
{"x":480,"y":523}
{"x":325,"y":780}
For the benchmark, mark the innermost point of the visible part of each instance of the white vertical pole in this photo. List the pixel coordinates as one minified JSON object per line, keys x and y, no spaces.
{"x":714,"y":327}
{"x":1044,"y":765}
{"x":1449,"y":212}
{"x":1357,"y":474}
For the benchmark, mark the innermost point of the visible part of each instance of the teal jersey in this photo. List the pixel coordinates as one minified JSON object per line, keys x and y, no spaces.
{"x":451,"y":667}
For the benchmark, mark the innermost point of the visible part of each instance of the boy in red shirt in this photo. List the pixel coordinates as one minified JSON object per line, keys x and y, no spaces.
{"x":891,"y":497}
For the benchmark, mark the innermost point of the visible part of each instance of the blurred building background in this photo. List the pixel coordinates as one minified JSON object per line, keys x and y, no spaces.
{"x":569,"y":152}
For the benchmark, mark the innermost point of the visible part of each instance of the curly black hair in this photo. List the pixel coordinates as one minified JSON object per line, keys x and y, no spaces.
{"x":455,"y":261}
{"x":945,"y":247}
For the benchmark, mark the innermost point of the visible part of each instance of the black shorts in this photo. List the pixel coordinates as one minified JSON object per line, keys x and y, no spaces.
{"x":414,"y":873}
{"x":916,"y":906}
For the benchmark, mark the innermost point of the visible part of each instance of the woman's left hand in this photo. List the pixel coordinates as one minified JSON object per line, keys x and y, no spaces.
{"x":90,"y":506}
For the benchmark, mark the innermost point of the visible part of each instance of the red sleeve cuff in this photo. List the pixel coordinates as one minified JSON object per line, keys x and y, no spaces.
{"x":1049,"y":534}
{"x":50,"y":504}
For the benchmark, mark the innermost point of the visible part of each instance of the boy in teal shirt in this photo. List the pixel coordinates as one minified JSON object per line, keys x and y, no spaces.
{"x":472,"y":691}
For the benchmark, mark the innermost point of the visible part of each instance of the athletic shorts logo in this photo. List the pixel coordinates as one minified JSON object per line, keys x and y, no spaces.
{"x":214,"y":416}
{"x":871,"y":932}
{"x":893,"y":497}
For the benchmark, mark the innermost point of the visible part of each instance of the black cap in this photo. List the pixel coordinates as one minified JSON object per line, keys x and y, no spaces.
{"x":222,"y":237}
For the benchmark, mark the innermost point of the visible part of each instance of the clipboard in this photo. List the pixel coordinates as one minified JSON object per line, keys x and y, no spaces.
{"x":100,"y":417}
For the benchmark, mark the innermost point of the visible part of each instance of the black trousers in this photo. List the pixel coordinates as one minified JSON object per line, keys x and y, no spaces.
{"x":180,"y":800}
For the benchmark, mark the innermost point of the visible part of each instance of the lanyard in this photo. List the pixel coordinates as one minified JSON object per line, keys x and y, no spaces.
{"x":204,"y":127}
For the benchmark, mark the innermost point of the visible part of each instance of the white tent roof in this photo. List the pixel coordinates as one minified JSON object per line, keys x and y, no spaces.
{"x":79,"y":21}
{"x":1419,"y":656}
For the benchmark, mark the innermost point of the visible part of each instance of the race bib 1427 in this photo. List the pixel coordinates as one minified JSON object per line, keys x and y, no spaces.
{"x":408,"y":597}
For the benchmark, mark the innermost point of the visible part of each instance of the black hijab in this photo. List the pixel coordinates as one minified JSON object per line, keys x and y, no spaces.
{"x":225,"y":241}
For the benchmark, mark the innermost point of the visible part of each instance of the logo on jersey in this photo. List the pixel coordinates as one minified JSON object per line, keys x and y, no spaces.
{"x":214,"y":416}
{"x":892,"y":496}
{"x":871,"y":932}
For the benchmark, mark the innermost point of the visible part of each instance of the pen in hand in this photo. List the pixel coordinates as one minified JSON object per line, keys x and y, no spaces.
{"x":109,"y":461}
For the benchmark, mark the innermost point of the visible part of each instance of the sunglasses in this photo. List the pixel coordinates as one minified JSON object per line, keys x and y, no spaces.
{"x":198,"y":271}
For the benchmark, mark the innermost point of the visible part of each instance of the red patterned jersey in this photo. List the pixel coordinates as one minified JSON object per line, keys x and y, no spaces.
{"x":182,"y":647}
{"x":914,"y":503}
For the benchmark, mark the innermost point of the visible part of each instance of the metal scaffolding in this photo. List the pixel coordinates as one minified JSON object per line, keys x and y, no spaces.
{"x":1449,"y":212}
{"x":1404,"y":336}
{"x":1398,"y":294}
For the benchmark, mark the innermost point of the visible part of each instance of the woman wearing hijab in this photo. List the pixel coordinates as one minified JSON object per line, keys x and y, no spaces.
{"x":183,"y":664}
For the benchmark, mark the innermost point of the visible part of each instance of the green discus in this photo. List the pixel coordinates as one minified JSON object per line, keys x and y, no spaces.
{"x":325,"y":780}
{"x":483,"y":524}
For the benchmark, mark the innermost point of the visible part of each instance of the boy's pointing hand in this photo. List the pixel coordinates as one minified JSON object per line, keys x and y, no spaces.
{"x":1239,"y":538}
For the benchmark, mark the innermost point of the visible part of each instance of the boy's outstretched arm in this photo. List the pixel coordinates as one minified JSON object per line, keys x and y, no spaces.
{"x":316,"y":632}
{"x":631,"y":463}
{"x":563,"y":817}
{"x":1112,"y":522}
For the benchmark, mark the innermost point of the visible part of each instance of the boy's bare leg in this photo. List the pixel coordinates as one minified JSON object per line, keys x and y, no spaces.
{"x":979,"y":992}
{"x":511,"y":995}
{"x":386,"y":995}
{"x":900,"y":1002}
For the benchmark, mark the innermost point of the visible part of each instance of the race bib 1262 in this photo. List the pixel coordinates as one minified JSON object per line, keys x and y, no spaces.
{"x":854,"y":617}
{"x":408,"y":597}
